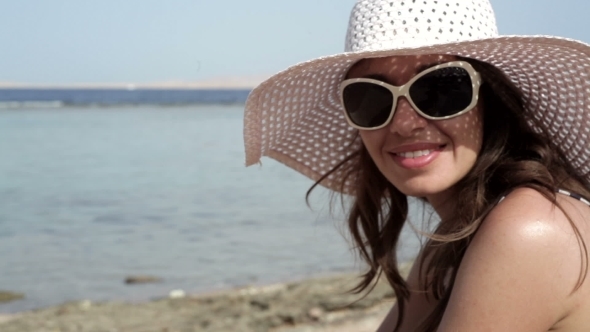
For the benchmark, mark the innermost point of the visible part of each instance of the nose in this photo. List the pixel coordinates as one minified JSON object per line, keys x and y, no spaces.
{"x":406,"y":121}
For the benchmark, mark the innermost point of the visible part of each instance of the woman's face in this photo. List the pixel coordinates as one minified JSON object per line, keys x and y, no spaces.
{"x":420,"y":157}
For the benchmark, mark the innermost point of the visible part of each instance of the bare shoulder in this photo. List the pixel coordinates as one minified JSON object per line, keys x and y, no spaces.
{"x":527,"y":218}
{"x":527,"y":223}
{"x":527,"y":203}
{"x":524,"y":264}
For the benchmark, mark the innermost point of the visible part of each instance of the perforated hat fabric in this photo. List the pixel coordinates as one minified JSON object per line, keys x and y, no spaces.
{"x":296,"y":116}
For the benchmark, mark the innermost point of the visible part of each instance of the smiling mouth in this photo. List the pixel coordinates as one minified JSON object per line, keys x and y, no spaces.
{"x":414,"y":154}
{"x":417,"y":153}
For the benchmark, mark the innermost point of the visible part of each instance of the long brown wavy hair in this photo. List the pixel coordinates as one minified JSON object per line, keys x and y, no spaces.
{"x":512,"y":155}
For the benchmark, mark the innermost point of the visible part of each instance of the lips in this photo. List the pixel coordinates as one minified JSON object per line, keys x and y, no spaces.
{"x":416,"y":155}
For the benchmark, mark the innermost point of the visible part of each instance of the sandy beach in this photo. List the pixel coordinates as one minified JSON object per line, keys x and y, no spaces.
{"x":312,"y":305}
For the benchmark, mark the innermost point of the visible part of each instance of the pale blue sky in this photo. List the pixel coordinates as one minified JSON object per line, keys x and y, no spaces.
{"x":73,"y":41}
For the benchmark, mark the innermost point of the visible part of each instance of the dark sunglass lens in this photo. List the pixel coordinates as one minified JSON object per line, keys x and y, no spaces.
{"x":443,"y":92}
{"x":367,"y":104}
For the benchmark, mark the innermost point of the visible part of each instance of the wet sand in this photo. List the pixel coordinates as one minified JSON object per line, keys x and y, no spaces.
{"x":318,"y":304}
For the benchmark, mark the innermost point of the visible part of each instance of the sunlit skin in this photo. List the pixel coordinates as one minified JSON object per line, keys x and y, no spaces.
{"x":455,"y":142}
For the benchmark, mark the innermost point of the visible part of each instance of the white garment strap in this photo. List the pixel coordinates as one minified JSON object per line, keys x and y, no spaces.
{"x":576,"y":196}
{"x":564,"y":192}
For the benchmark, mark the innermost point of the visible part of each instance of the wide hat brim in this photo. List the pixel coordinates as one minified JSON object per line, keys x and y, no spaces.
{"x":296,"y":116}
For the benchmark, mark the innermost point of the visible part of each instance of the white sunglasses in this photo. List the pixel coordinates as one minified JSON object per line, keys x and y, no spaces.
{"x":440,"y":92}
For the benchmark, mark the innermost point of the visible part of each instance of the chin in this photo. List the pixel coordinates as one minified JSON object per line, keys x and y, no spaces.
{"x":422,"y":189}
{"x":417,"y":193}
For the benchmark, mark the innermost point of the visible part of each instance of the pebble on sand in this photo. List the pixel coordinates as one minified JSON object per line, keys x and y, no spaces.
{"x":177,"y":294}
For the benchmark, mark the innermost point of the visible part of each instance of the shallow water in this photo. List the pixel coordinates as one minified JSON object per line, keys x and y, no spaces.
{"x":89,"y":196}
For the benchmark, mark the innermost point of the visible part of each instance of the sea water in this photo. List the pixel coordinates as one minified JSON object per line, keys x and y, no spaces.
{"x":91,"y":195}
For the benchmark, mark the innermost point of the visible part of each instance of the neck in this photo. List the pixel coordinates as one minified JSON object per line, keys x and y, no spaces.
{"x":443,"y":203}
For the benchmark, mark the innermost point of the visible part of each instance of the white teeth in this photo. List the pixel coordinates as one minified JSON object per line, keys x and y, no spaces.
{"x":414,"y":154}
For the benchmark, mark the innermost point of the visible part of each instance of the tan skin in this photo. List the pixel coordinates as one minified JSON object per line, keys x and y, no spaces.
{"x":521,"y":270}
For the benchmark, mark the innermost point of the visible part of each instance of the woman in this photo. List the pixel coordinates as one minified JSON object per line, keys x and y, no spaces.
{"x":493,"y":132}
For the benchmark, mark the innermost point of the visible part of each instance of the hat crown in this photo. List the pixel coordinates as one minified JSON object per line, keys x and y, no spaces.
{"x":394,"y":24}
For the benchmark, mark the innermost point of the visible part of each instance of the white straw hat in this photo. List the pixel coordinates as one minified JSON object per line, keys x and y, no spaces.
{"x":296,"y":116}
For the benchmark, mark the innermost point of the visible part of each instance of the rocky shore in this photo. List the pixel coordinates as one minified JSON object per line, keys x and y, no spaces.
{"x":313,"y":305}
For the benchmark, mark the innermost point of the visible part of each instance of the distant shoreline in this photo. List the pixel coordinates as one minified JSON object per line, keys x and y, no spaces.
{"x":238,"y":83}
{"x":122,"y":87}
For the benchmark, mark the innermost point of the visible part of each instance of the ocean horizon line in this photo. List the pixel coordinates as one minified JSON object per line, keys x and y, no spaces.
{"x":120,"y":87}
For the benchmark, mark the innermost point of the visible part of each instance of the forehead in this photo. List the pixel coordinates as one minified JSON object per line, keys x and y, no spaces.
{"x":396,"y":68}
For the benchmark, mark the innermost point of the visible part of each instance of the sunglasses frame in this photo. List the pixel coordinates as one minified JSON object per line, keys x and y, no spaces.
{"x":404,"y":91}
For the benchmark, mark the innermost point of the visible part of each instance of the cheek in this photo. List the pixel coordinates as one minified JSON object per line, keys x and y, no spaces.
{"x":466,"y":129}
{"x":372,"y":140}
